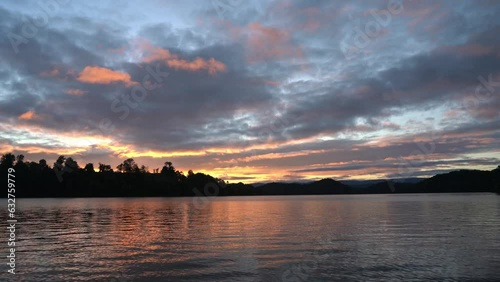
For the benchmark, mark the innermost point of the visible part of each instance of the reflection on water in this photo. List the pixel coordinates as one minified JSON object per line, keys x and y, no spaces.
{"x":295,"y":238}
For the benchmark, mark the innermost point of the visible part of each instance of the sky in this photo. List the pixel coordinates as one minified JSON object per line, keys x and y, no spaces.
{"x":254,"y":91}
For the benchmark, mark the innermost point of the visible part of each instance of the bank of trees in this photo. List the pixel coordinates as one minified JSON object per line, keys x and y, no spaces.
{"x":67,"y":178}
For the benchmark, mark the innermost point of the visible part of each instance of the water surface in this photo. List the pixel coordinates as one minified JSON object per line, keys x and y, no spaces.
{"x":453,"y":237}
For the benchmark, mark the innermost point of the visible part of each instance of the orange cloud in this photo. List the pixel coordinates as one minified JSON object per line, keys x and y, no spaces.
{"x":54,"y":72}
{"x":29,"y":115}
{"x":211,"y":65}
{"x":171,"y":60}
{"x":270,"y":43}
{"x":99,"y":75}
{"x":75,"y":92}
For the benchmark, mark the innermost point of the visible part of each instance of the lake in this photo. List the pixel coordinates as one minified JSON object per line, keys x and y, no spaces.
{"x":267,"y":238}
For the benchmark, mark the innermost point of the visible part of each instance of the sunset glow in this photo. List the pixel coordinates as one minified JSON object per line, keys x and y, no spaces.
{"x":268,"y":91}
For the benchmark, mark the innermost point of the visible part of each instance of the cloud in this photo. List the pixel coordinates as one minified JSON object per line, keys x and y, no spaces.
{"x":269,"y":43}
{"x":75,"y":92}
{"x":54,"y":72}
{"x":100,"y":75}
{"x":473,"y":49}
{"x":29,"y":115}
{"x":153,"y":53}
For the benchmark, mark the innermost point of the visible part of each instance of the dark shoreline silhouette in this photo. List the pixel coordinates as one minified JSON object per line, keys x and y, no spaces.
{"x":67,"y":179}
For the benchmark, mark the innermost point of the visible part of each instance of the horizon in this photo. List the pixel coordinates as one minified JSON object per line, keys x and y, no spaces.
{"x":255,"y":92}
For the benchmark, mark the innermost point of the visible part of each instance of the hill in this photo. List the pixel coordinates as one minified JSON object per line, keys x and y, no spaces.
{"x":323,"y":186}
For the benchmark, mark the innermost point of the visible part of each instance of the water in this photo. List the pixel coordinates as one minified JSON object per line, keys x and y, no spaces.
{"x":442,"y":237}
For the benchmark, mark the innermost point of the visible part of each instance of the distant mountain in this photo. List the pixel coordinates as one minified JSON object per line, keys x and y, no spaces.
{"x":456,"y":181}
{"x":323,"y":186}
{"x":367,"y":183}
{"x":390,"y":187}
{"x":461,"y":181}
{"x":361,"y":183}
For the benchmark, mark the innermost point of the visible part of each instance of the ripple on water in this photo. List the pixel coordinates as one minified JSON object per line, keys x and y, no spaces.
{"x":298,"y":238}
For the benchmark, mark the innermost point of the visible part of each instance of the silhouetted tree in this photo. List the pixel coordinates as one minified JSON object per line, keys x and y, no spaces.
{"x":496,"y":179}
{"x":89,"y":168}
{"x":70,"y":165}
{"x":19,"y":159}
{"x":168,"y":170}
{"x":59,"y":163}
{"x":34,"y":167}
{"x":20,"y":165}
{"x":128,"y":166}
{"x":7,"y":160}
{"x":105,"y":168}
{"x":43,"y":164}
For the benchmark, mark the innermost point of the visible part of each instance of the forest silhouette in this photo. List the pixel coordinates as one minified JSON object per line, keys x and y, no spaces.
{"x":66,"y":178}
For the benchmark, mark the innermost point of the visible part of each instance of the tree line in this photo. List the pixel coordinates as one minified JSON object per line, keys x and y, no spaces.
{"x":66,"y":178}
